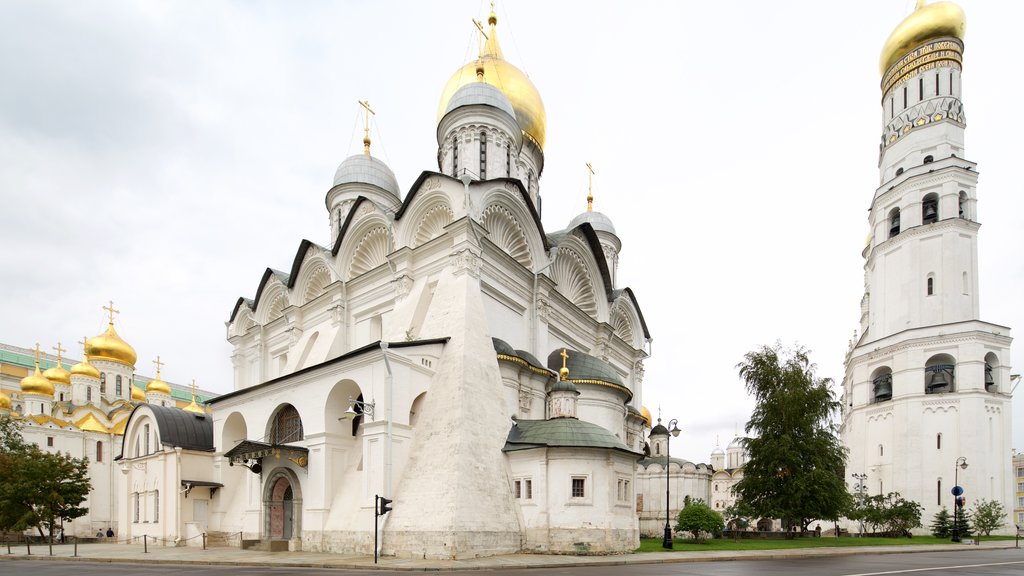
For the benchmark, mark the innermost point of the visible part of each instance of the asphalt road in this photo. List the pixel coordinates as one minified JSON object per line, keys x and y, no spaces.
{"x":989,"y":563}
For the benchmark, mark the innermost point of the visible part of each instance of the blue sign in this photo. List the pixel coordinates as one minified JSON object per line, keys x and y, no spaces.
{"x":957,"y":490}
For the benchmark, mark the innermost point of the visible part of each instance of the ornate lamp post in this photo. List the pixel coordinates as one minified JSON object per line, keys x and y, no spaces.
{"x":860,"y":487}
{"x":659,"y":430}
{"x":961,"y":464}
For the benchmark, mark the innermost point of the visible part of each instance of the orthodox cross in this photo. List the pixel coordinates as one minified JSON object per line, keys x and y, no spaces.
{"x":59,"y":351}
{"x":83,"y":342}
{"x":483,"y":35}
{"x":37,"y":355}
{"x":158,"y":365}
{"x":193,"y":390}
{"x":112,"y":311}
{"x":366,"y":127}
{"x":590,"y":187}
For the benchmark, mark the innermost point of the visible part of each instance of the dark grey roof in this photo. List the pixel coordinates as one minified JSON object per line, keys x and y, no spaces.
{"x":560,"y":432}
{"x":529,"y":358}
{"x":659,"y":429}
{"x":363,"y":169}
{"x":599,"y":221}
{"x":502,"y":347}
{"x":180,"y":428}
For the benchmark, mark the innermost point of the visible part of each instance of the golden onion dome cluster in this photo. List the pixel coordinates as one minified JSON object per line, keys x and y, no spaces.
{"x":58,"y":374}
{"x":926,"y":23}
{"x":513,"y":83}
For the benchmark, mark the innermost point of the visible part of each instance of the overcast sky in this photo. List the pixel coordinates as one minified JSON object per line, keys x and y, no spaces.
{"x":163,"y":154}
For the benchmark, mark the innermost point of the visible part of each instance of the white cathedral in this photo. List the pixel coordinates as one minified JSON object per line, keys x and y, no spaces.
{"x":443,"y":351}
{"x":928,"y":381}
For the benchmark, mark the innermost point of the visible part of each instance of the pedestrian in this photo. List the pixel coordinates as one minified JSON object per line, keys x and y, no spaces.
{"x":99,"y":533}
{"x":62,"y":535}
{"x":817,"y":531}
{"x":110,"y":533}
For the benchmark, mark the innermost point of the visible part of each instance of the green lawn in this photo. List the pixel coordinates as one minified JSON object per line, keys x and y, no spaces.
{"x":654,"y":545}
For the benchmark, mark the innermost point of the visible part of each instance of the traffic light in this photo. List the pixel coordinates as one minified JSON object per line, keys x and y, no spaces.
{"x":383,"y":505}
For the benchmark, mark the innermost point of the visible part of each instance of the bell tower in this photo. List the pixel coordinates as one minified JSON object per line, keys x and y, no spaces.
{"x":927,"y":381}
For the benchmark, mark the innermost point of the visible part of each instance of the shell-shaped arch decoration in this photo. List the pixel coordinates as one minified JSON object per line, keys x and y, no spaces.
{"x":570,"y":273}
{"x":318,"y":280}
{"x":504,"y":230}
{"x":432,"y":224}
{"x":243,"y":323}
{"x":277,"y":306}
{"x":371,"y":251}
{"x":621,"y":325}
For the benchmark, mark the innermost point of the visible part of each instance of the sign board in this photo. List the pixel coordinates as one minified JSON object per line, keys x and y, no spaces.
{"x":957,"y":490}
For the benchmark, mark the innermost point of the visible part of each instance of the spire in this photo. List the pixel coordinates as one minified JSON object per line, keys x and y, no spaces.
{"x":590,"y":187}
{"x":366,"y":127}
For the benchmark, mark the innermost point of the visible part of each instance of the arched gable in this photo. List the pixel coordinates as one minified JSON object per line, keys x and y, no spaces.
{"x":576,"y":275}
{"x":367,"y":240}
{"x":623,"y":322}
{"x":428,"y":219}
{"x":505,"y":230}
{"x":273,"y":304}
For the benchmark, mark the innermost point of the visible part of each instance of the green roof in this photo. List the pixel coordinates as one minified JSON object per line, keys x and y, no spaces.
{"x":560,"y":432}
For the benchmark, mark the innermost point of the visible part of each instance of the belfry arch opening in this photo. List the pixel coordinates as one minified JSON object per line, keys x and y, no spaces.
{"x":940,"y":374}
{"x":881,"y":384}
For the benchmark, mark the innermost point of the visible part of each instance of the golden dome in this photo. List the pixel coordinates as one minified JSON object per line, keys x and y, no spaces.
{"x":83,"y":368}
{"x":194,"y":408}
{"x":646,"y":414}
{"x":36,"y":384}
{"x":515,"y":85}
{"x":110,"y":346}
{"x":927,"y":22}
{"x":5,"y":401}
{"x":158,"y":385}
{"x":57,"y":374}
{"x":138,"y":395}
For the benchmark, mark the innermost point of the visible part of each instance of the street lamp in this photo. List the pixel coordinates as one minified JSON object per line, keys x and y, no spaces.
{"x":659,"y":430}
{"x":961,"y":464}
{"x":860,"y":487}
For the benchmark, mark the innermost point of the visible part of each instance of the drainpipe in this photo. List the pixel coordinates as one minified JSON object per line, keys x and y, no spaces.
{"x":389,"y":381}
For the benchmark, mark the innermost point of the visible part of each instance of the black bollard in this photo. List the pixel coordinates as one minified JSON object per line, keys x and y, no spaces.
{"x":145,"y":544}
{"x":76,"y":546}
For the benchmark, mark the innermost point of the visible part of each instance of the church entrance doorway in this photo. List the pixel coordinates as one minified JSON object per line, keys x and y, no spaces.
{"x":282,"y":507}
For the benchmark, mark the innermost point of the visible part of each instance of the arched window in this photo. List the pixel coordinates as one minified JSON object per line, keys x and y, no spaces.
{"x":88,"y":393}
{"x":963,"y":204}
{"x":938,"y":492}
{"x":938,"y":441}
{"x":99,"y":451}
{"x":117,"y":385}
{"x":156,"y":506}
{"x":929,"y":159}
{"x":930,"y":209}
{"x":964,"y":282}
{"x":145,"y":440}
{"x":455,"y":156}
{"x":931,"y":285}
{"x":881,"y":385}
{"x":287,"y":426}
{"x":508,"y":159}
{"x":939,"y":374}
{"x":483,"y":155}
{"x":990,"y":377}
{"x":103,"y":382}
{"x":881,"y":450}
{"x":135,"y":497}
{"x":894,"y":222}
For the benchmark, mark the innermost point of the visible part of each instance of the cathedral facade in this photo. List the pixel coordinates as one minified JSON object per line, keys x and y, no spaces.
{"x":443,"y":351}
{"x":927,"y":384}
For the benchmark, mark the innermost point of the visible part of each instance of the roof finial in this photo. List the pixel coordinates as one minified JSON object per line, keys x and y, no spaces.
{"x":37,"y":356}
{"x":590,"y":187}
{"x":112,"y":311}
{"x":366,"y":128}
{"x":493,"y":18}
{"x":59,"y":351}
{"x":563,"y":374}
{"x":193,"y":390}
{"x":158,"y":365}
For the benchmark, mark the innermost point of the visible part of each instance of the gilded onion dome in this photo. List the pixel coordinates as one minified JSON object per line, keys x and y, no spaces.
{"x":57,"y":374}
{"x":36,"y":383}
{"x":83,"y":368}
{"x":193,"y":407}
{"x":138,"y":395}
{"x":110,"y":346}
{"x":158,"y":385}
{"x":647,"y":415}
{"x":513,"y":83}
{"x":925,"y":23}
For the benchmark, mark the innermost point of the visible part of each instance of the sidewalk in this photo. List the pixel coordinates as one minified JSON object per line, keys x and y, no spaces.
{"x":133,"y":553}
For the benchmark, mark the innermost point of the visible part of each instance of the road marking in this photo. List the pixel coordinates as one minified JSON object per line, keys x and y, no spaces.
{"x":936,"y":568}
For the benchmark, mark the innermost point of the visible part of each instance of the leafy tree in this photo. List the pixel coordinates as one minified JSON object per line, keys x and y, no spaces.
{"x":893,"y":514}
{"x":942,"y":523}
{"x":988,"y":515}
{"x":698,"y":518}
{"x":739,"y":515}
{"x":795,"y":470}
{"x":38,"y":489}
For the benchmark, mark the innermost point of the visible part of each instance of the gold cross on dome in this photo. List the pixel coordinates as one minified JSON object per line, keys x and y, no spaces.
{"x":366,"y":126}
{"x":565,"y":358}
{"x":37,"y":354}
{"x":590,"y":187}
{"x":483,"y":35}
{"x":59,"y":351}
{"x":158,"y":365}
{"x":193,"y":389}
{"x":112,"y":311}
{"x":83,"y":342}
